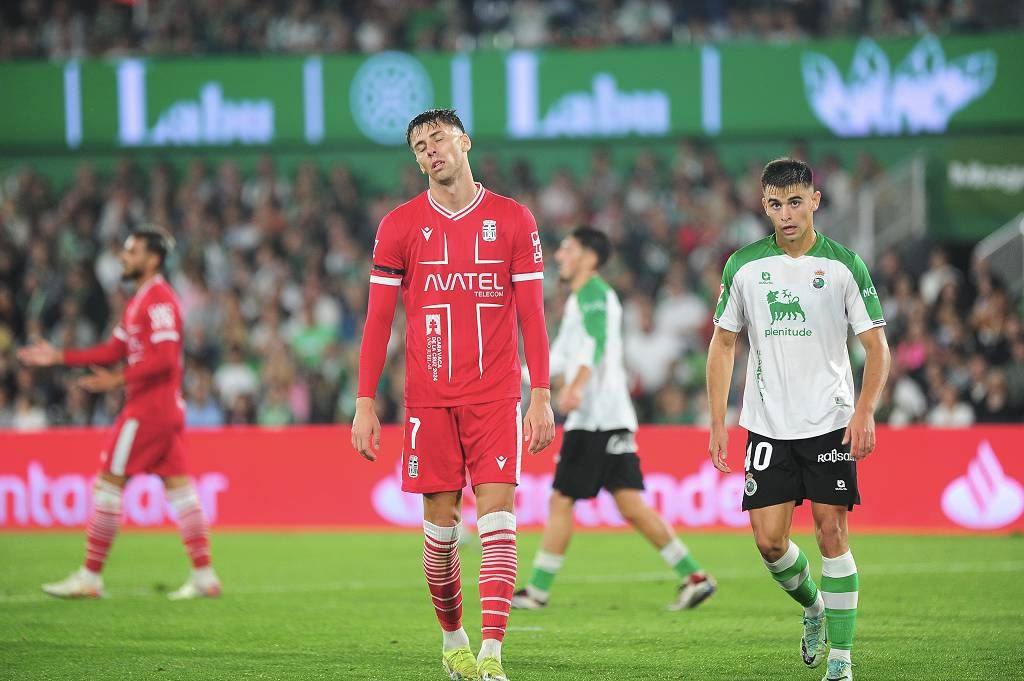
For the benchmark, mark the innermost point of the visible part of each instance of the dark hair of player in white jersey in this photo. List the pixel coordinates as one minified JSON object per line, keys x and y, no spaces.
{"x":786,"y":172}
{"x":595,"y":241}
{"x":434,"y":117}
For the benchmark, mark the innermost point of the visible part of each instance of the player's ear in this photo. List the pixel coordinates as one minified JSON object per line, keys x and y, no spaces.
{"x":467,"y":143}
{"x":815,"y":200}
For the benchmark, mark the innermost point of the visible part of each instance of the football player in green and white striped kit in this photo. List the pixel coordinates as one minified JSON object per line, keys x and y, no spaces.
{"x":797,"y":292}
{"x":599,"y":447}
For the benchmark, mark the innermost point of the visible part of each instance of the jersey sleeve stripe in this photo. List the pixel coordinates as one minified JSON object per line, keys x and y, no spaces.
{"x":388,"y":270}
{"x":374,"y":279}
{"x":161,"y":336}
{"x":119,"y":334}
{"x":527,"y":276}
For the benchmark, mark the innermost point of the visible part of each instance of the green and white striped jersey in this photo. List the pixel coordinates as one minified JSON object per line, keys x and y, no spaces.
{"x":796,"y":311}
{"x":591,"y":335}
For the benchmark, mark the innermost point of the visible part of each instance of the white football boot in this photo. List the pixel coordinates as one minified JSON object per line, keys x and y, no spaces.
{"x":81,"y":583}
{"x":202,"y":583}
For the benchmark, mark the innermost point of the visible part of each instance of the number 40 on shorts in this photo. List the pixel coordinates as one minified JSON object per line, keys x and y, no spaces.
{"x":762,"y":456}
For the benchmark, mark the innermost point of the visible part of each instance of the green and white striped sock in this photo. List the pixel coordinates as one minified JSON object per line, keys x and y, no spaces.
{"x":678,"y":557}
{"x":839,"y":586}
{"x":794,"y":576}
{"x":545,"y":567}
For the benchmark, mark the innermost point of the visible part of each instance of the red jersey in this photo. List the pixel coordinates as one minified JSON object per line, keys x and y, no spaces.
{"x":149,"y":339}
{"x":463,"y":277}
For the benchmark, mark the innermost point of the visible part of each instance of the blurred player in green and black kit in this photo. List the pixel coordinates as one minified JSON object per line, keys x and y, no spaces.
{"x":599,"y":448}
{"x":798,"y":292}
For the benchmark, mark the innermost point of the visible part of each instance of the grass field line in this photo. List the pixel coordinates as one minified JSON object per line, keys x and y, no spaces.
{"x":883,"y":570}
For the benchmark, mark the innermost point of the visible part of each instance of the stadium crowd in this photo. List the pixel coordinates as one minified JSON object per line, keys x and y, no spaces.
{"x":62,"y":29}
{"x":272,"y":273}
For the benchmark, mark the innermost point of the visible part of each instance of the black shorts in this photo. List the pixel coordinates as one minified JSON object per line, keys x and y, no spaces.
{"x":589,"y":461}
{"x":817,"y":468}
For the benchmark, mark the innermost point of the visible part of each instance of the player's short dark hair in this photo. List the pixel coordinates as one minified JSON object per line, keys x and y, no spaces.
{"x":786,"y":172}
{"x":434,"y":117}
{"x":155,"y":242}
{"x":595,"y":241}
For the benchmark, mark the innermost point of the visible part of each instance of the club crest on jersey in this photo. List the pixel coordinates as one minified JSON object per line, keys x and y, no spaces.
{"x":414,"y":466}
{"x":819,"y":279}
{"x":749,"y":485}
{"x":489,"y":231}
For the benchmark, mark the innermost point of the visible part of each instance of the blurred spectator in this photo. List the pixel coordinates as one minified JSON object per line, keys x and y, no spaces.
{"x":64,"y":30}
{"x":271,"y":267}
{"x":950,"y":412}
{"x":235,"y":378}
{"x":201,"y":409}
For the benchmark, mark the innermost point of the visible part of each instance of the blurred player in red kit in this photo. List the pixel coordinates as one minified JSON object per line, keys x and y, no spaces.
{"x":147,"y":437}
{"x":469,"y":264}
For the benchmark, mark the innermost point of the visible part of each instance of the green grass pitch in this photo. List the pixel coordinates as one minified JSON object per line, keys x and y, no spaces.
{"x":354,"y":606}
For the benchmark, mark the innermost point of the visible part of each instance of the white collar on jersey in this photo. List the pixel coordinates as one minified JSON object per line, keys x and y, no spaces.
{"x":459,"y":214}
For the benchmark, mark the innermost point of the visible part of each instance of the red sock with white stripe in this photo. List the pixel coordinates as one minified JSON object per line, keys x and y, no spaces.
{"x":444,"y":579}
{"x":195,"y":534}
{"x":497,"y":578}
{"x":103,"y":525}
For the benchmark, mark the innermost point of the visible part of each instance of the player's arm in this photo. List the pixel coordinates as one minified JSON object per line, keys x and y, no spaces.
{"x":571,"y":395}
{"x":591,"y":351}
{"x":528,"y":287}
{"x":43,"y":354}
{"x":101,"y":380}
{"x":864,"y":313}
{"x":721,"y":357}
{"x":386,"y":272}
{"x":729,"y":320}
{"x":860,"y":433}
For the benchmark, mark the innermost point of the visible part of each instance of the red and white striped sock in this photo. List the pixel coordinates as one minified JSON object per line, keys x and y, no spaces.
{"x":444,"y":579}
{"x":497,"y":577}
{"x":103,"y":525}
{"x":195,"y":533}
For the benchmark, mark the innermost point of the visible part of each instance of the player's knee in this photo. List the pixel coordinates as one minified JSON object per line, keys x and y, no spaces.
{"x":630,"y":511}
{"x":772,"y":548}
{"x":831,"y":536}
{"x":560,"y":502}
{"x":107,"y":496}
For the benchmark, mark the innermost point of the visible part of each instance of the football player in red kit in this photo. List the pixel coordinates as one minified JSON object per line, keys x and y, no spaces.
{"x":147,"y":437}
{"x":469,"y":264}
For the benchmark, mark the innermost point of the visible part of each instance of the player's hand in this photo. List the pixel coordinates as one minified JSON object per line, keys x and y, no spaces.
{"x":860,"y":434}
{"x":101,"y":380}
{"x":366,"y":429}
{"x":718,"y":448}
{"x":40,"y":354}
{"x":539,"y":422}
{"x":569,"y":399}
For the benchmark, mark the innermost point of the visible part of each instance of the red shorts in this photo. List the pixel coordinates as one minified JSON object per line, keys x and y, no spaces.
{"x":442,"y":442}
{"x":139,"y":445}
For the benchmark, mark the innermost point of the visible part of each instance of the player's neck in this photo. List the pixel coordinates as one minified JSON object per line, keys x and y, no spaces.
{"x":145,"y":279}
{"x":580,"y":280}
{"x":457,"y":195}
{"x":797,"y":249}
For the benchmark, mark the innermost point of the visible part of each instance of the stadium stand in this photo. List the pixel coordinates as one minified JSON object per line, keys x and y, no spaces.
{"x":60,"y":29}
{"x":272,"y":272}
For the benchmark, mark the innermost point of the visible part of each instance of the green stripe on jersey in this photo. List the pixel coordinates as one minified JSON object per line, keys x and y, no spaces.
{"x":593,"y":301}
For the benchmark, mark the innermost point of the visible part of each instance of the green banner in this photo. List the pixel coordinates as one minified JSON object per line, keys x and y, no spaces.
{"x":977,"y":188}
{"x":838,"y":89}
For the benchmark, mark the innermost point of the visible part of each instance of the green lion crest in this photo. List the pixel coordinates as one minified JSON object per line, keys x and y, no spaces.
{"x":785,"y":307}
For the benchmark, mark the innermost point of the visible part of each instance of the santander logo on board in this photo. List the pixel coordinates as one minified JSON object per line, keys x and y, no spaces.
{"x":984,"y":498}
